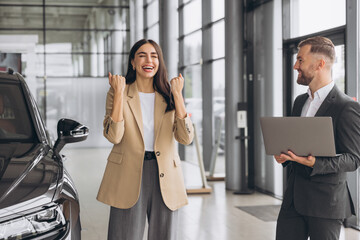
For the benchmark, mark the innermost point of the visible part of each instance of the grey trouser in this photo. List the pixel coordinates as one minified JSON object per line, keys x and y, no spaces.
{"x":294,"y":226}
{"x":129,"y":224}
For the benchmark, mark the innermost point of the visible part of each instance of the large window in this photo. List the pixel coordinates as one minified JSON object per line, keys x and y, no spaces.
{"x":190,"y":42}
{"x":196,"y":23}
{"x":66,"y":50}
{"x":192,"y":16}
{"x":217,"y":9}
{"x":309,"y":16}
{"x":218,"y":78}
{"x":192,"y":48}
{"x":151,"y":19}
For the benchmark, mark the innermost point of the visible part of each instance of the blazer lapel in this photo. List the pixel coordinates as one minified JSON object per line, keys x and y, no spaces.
{"x":135,"y":106}
{"x":298,"y":105}
{"x":329,"y":100}
{"x":159,"y":112}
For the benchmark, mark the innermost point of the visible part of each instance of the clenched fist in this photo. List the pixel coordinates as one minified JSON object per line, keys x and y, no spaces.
{"x":177,"y":84}
{"x":117,"y":82}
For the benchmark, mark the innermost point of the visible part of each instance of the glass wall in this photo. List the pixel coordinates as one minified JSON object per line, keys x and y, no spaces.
{"x":192,"y":46}
{"x":308,"y":16}
{"x":218,"y":79}
{"x":67,"y":48}
{"x":151,"y":19}
{"x":190,"y":42}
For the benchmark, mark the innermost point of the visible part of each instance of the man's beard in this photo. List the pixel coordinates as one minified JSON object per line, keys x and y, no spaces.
{"x":304,"y":79}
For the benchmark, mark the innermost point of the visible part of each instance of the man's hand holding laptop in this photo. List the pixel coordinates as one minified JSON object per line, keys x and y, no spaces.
{"x":290,"y":156}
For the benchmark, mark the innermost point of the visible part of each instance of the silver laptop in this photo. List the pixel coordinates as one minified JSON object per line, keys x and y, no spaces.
{"x":302,"y":135}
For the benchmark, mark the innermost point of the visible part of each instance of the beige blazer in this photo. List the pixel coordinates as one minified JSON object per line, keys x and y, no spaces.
{"x":120,"y":186}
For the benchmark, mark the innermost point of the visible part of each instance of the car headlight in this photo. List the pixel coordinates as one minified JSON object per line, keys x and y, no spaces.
{"x":34,"y":224}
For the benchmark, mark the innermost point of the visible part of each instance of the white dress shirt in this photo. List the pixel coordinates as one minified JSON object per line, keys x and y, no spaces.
{"x":312,"y":105}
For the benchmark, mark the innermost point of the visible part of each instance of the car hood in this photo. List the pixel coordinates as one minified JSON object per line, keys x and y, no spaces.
{"x":28,"y":175}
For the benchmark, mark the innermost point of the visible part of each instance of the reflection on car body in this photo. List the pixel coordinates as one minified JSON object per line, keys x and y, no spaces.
{"x":38,"y":199}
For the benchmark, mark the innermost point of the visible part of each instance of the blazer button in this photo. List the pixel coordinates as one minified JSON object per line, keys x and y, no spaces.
{"x":157,"y":153}
{"x":161,"y":175}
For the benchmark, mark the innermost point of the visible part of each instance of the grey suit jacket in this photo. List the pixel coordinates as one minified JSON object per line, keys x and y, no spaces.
{"x":322,"y":191}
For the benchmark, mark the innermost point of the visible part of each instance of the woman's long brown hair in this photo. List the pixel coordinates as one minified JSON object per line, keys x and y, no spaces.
{"x":160,"y":82}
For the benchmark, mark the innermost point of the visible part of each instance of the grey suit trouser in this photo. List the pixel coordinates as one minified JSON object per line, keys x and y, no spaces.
{"x":293,"y":226}
{"x":129,"y":224}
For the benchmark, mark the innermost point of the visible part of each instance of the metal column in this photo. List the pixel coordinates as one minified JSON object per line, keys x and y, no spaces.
{"x":181,"y":148}
{"x":234,"y":87}
{"x":136,"y":20}
{"x":168,"y":30}
{"x":207,"y":84}
{"x":352,"y":89}
{"x":268,"y":90}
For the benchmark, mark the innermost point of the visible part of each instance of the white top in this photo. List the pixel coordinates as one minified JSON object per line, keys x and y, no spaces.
{"x":312,"y":105}
{"x":147,"y":101}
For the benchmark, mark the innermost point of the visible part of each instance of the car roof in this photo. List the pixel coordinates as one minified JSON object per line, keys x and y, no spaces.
{"x":10,"y":75}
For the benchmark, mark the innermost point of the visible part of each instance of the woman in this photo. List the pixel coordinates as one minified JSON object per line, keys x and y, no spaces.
{"x":143,"y":176}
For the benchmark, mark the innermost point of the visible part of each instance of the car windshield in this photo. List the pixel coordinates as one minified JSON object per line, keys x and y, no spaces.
{"x":15,"y":123}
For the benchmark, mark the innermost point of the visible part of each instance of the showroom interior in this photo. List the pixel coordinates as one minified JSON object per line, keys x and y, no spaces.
{"x":237,"y":60}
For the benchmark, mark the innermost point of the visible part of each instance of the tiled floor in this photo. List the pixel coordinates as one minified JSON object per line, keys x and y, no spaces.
{"x":212,"y":216}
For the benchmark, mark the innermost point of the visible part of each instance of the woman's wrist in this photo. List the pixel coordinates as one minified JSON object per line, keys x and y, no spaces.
{"x":178,"y":95}
{"x":118,"y":92}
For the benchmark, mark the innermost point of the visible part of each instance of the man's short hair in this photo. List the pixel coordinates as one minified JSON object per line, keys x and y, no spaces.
{"x":320,"y":45}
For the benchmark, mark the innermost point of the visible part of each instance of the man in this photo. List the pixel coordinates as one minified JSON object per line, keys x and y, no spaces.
{"x":317,"y":198}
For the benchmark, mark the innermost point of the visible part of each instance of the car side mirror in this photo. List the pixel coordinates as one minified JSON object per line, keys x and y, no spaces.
{"x":69,"y":131}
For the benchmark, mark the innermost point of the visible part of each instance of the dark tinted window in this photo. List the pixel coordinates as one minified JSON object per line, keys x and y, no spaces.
{"x":15,"y":123}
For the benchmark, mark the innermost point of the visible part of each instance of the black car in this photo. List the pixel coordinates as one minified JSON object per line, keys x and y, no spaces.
{"x":38,"y":199}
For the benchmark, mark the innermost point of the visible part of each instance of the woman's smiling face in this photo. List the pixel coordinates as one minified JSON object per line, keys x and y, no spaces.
{"x":146,"y":61}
